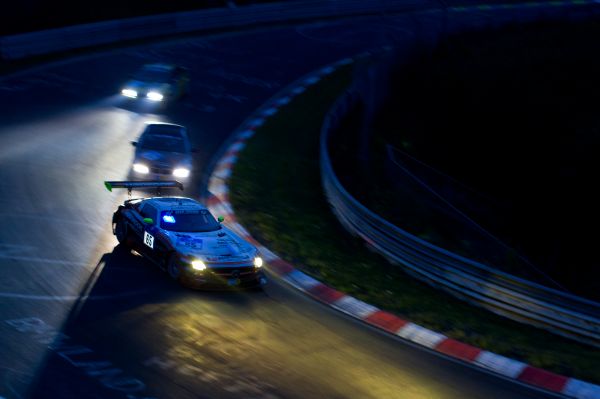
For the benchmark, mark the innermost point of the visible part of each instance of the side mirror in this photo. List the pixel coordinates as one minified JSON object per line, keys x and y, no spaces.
{"x":220,"y":219}
{"x":134,"y":143}
{"x":148,"y":221}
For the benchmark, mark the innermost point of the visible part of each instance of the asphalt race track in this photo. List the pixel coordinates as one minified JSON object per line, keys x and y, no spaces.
{"x":81,"y":318}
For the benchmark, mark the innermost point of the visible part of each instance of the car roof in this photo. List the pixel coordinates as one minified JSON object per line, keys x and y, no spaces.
{"x":174,"y":204}
{"x":159,"y":66}
{"x":168,"y":129}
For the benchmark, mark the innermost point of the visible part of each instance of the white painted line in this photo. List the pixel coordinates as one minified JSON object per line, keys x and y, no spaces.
{"x":246,"y":134}
{"x":230,"y":159}
{"x":219,"y":210}
{"x":238,"y":228}
{"x":223,"y":173}
{"x":301,"y":280}
{"x":354,"y":307}
{"x":581,"y":389}
{"x":36,"y":259}
{"x":270,"y":111}
{"x":299,"y":90}
{"x":237,"y":147}
{"x":256,"y":122}
{"x":217,"y":187}
{"x":227,"y":208}
{"x":312,"y":80}
{"x":267,"y":254}
{"x":500,"y":364}
{"x":420,"y":335}
{"x":223,"y":209}
{"x":327,"y":70}
{"x":70,"y":298}
{"x":283,"y":101}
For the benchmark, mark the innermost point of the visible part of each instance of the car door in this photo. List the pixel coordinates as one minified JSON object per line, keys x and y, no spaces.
{"x":148,"y":235}
{"x":153,"y":244}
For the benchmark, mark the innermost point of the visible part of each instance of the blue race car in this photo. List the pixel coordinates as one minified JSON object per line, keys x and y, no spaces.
{"x":182,"y":237}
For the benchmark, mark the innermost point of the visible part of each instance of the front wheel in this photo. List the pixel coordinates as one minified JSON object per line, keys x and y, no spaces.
{"x":174,"y":268}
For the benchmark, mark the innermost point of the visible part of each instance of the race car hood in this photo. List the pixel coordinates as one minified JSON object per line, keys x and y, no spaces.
{"x":216,"y":246}
{"x":162,"y":158}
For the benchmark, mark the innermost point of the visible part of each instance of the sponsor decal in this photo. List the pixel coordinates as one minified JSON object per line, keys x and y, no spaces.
{"x":148,"y":239}
{"x":189,"y":241}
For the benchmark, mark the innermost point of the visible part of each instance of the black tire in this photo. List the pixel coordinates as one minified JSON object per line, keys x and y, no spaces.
{"x":174,"y":268}
{"x":121,"y":232}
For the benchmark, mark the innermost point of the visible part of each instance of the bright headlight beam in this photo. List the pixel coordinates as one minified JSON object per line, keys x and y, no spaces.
{"x":181,"y":172}
{"x":129,"y":93}
{"x":154,"y":96}
{"x":258,"y":262}
{"x":140,"y":168}
{"x":198,"y":265}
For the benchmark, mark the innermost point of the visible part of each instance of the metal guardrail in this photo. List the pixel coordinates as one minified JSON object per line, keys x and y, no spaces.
{"x":478,"y":284}
{"x":103,"y":33}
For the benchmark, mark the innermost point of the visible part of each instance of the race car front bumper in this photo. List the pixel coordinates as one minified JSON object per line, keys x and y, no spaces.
{"x":225,"y":277}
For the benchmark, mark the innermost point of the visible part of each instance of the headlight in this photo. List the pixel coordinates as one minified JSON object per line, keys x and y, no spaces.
{"x":181,"y":172}
{"x":129,"y":93}
{"x":258,"y":262}
{"x":198,"y":265}
{"x":154,"y":96}
{"x":140,"y":168}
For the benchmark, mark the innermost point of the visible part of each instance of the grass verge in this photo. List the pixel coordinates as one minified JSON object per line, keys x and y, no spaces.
{"x":277,"y":195}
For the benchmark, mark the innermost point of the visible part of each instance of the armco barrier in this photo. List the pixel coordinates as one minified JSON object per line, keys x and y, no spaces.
{"x":103,"y":33}
{"x":502,"y":293}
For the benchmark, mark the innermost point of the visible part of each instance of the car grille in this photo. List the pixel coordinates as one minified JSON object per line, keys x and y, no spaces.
{"x":161,"y":171}
{"x":228,"y":271}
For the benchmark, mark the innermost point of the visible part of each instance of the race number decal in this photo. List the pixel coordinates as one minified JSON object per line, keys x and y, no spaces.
{"x":148,"y":239}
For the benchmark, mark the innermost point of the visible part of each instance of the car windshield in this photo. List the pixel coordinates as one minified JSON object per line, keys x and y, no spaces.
{"x":165,"y":128}
{"x":189,"y":221}
{"x":154,"y":75}
{"x":162,"y":142}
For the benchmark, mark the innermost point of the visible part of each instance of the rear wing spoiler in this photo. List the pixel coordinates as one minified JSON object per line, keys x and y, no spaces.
{"x":145,"y":184}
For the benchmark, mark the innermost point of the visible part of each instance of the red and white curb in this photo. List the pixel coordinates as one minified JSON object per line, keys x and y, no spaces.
{"x":219,"y":204}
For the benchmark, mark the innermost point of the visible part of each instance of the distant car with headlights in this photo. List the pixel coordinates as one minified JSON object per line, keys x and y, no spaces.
{"x":157,"y":83}
{"x":182,"y":237}
{"x":163,"y":151}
